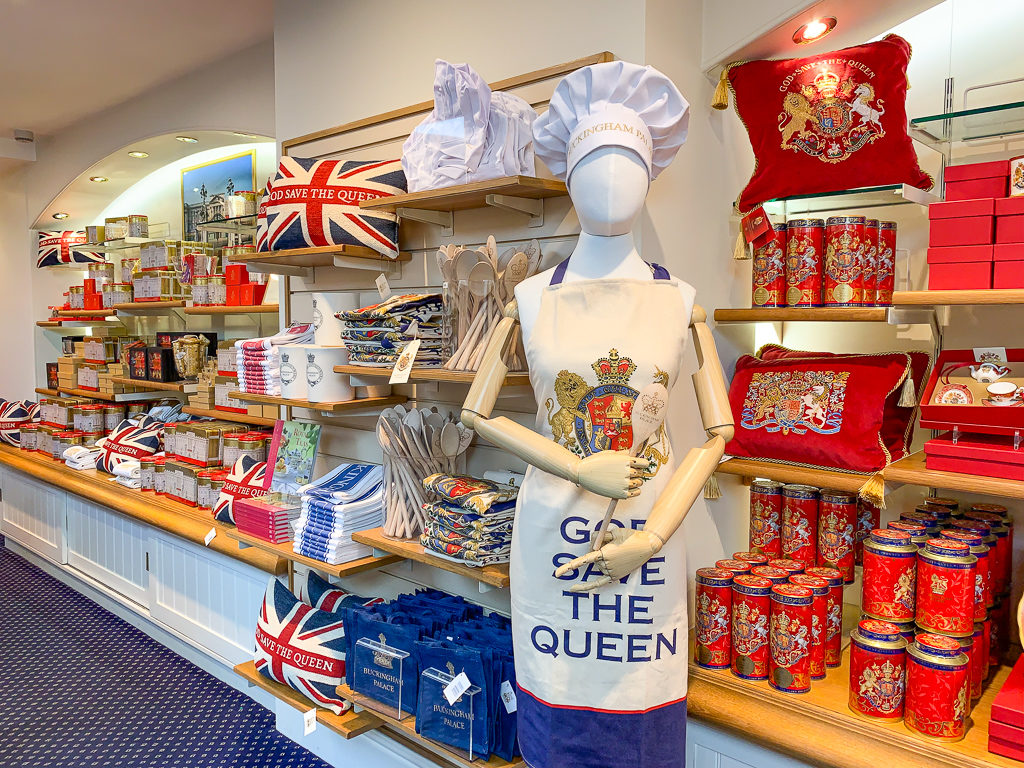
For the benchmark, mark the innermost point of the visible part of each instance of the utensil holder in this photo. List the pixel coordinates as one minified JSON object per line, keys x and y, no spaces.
{"x":404,"y":494}
{"x":467,"y":323}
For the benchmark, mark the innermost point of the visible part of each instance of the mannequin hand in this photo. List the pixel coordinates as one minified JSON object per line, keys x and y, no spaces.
{"x":624,"y":552}
{"x":613,"y":474}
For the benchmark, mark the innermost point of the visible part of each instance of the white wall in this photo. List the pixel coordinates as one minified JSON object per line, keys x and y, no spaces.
{"x":17,"y":263}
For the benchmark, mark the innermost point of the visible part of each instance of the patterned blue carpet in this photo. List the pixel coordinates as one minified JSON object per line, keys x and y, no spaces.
{"x":80,"y":688}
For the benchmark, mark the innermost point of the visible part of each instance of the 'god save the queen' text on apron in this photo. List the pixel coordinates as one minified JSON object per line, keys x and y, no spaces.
{"x":602,"y":674}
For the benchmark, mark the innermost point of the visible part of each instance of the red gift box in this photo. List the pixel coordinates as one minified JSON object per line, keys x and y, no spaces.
{"x":991,"y":420}
{"x":1005,"y":748}
{"x":959,"y":253}
{"x":236,"y":274}
{"x":973,"y":180}
{"x":233,"y":299}
{"x":259,"y":290}
{"x":984,"y":455}
{"x":961,"y":230}
{"x":966,"y":171}
{"x":93,"y":301}
{"x":1008,"y":705}
{"x":960,"y":267}
{"x":1009,"y":206}
{"x":951,"y":209}
{"x":1008,"y":270}
{"x":1010,"y":229}
{"x":245,"y":294}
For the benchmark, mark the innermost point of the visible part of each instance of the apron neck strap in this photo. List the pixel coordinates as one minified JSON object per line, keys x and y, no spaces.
{"x":660,"y":273}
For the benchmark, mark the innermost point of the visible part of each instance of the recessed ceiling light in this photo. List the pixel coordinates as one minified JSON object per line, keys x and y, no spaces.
{"x":814,"y":30}
{"x":245,"y":135}
{"x":61,"y":215}
{"x":186,"y":139}
{"x":98,"y":179}
{"x":138,"y":154}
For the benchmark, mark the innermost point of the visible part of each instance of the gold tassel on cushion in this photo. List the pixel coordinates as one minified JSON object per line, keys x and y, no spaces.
{"x":739,"y":251}
{"x":712,"y":490}
{"x":874,"y":490}
{"x":908,"y":396}
{"x":721,"y":98}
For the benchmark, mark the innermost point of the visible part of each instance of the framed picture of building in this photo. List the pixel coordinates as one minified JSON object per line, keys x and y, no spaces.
{"x":204,"y":188}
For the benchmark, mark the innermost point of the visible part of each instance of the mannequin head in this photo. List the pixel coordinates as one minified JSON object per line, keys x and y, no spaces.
{"x":608,"y":188}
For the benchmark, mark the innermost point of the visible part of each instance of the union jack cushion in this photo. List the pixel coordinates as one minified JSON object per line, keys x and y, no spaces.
{"x":262,"y":244}
{"x":301,"y":647}
{"x":244,"y":482}
{"x":130,"y":440}
{"x":320,"y":593}
{"x":316,"y":202}
{"x":14,"y":413}
{"x":58,"y":247}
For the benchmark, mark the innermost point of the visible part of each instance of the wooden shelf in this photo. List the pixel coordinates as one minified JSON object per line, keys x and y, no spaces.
{"x":164,"y":386}
{"x":299,"y":261}
{"x":949,"y":298}
{"x":86,"y":313}
{"x":47,"y":392}
{"x":345,"y":406}
{"x":238,"y":418}
{"x":48,"y":323}
{"x":410,"y":549}
{"x":285,"y":550}
{"x":809,"y":314}
{"x":348,"y":724}
{"x":818,"y":727}
{"x":262,"y":309}
{"x":461,"y":197}
{"x":189,"y":523}
{"x":405,"y":727}
{"x":512,"y":379}
{"x":147,"y":307}
{"x":786,"y":473}
{"x":124,"y":397}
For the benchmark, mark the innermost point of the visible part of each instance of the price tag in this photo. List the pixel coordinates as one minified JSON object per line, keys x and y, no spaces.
{"x":210,"y":536}
{"x":403,"y":366}
{"x":308,"y":722}
{"x":990,"y":354}
{"x":413,"y":329}
{"x":382,"y":286}
{"x":508,"y":696}
{"x":456,"y":688}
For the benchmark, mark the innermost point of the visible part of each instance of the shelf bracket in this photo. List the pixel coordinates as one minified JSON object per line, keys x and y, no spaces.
{"x":528,"y":205}
{"x":443,"y":219}
{"x":305,"y":273}
{"x":485,"y":587}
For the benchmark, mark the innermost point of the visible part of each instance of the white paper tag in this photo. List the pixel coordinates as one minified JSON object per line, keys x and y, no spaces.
{"x":382,"y":286}
{"x":508,"y":697}
{"x":308,"y":722}
{"x":456,"y":688}
{"x":413,"y":329}
{"x":403,"y":365}
{"x":210,"y":536}
{"x":990,"y":354}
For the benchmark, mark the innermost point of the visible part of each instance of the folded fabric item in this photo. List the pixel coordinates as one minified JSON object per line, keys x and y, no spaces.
{"x":129,"y":482}
{"x":487,"y":544}
{"x":300,"y":333}
{"x":469,"y":493}
{"x":348,"y":482}
{"x":83,"y":461}
{"x":389,"y":360}
{"x":410,"y":305}
{"x":462,"y":555}
{"x":128,"y":469}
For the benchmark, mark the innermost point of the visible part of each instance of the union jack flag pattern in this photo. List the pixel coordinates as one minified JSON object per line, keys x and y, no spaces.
{"x":316,"y":202}
{"x":262,"y":243}
{"x":130,"y":440}
{"x":14,"y":413}
{"x":245,"y":481}
{"x":319,"y":593}
{"x":58,"y":247}
{"x":301,"y":647}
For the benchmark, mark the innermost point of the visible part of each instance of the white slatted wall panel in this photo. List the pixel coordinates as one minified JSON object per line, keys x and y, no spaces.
{"x":206,"y":596}
{"x":109,"y":547}
{"x":34,"y":516}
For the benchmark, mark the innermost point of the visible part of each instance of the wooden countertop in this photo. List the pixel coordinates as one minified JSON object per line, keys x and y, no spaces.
{"x":189,"y":523}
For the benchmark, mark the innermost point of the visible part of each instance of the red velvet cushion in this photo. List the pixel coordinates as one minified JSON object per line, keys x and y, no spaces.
{"x":828,"y":122}
{"x":824,"y":410}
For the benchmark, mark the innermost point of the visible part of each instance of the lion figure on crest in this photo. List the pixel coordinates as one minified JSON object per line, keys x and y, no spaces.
{"x":569,"y":389}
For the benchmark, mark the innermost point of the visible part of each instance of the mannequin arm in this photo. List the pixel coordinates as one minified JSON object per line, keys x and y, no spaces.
{"x":608,"y":473}
{"x":627,"y":550}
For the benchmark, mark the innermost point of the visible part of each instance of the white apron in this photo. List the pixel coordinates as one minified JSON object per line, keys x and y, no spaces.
{"x":602,"y":675}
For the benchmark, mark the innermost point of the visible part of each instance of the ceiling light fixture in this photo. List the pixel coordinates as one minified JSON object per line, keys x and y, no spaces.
{"x":61,"y":215}
{"x":814,"y":30}
{"x":187,"y":139}
{"x":136,"y":153}
{"x":98,"y":179}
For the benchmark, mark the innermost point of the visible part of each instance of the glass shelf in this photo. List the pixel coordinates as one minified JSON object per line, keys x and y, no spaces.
{"x":997,"y":121}
{"x":239,"y":225}
{"x":158,"y":232}
{"x":850,"y":199}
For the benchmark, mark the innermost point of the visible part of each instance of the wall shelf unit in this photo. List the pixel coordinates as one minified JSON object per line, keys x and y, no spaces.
{"x":440,"y":375}
{"x":802,"y":314}
{"x":238,"y":418}
{"x":121,"y":397}
{"x":182,"y":387}
{"x":261,"y":309}
{"x":941,"y":131}
{"x":992,"y":296}
{"x":86,"y":313}
{"x":147,"y":307}
{"x":849,"y":199}
{"x":285,"y":551}
{"x":346,"y":406}
{"x":238,"y":225}
{"x":300,"y":262}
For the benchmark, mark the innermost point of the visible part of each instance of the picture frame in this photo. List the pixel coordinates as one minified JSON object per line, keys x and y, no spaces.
{"x":204,"y":188}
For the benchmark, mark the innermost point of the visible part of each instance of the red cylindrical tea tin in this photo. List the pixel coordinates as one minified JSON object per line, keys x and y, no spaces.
{"x":800,"y":523}
{"x":751,"y":610}
{"x":929,"y":521}
{"x":738,"y":567}
{"x":945,"y":587}
{"x":766,"y":517}
{"x":999,"y":631}
{"x":986,"y":643}
{"x":789,"y":665}
{"x":1004,"y":513}
{"x":837,"y":524}
{"x":790,"y":566}
{"x":983,"y":598}
{"x":769,"y":270}
{"x":844,"y":247}
{"x":878,"y":654}
{"x":869,"y":517}
{"x":979,"y":660}
{"x":951,"y":505}
{"x":885,"y":264}
{"x":869,"y":264}
{"x":754,"y":558}
{"x":805,"y":249}
{"x":938,"y":687}
{"x":918,"y":533}
{"x":819,"y":620}
{"x":713,"y":602}
{"x":890,"y":568}
{"x":833,"y":612}
{"x":1000,"y":555}
{"x":774,"y":575}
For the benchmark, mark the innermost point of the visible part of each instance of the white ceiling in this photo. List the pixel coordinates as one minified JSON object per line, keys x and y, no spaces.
{"x":62,"y":60}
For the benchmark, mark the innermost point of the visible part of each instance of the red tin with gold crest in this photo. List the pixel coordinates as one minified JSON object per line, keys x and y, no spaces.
{"x":938,"y":687}
{"x":945,"y":588}
{"x":766,"y":517}
{"x":885,"y":265}
{"x":789,"y":667}
{"x":878,"y":655}
{"x":774,"y":575}
{"x":800,"y":523}
{"x":999,"y":632}
{"x":979,"y":660}
{"x":1004,"y":513}
{"x":713,"y":633}
{"x":952,"y":506}
{"x":1000,"y":555}
{"x":837,"y":525}
{"x":754,"y":558}
{"x":869,"y":265}
{"x":869,"y":517}
{"x":738,"y":567}
{"x":834,"y":614}
{"x":917,"y":517}
{"x":918,"y":533}
{"x":751,"y":609}
{"x":844,"y":247}
{"x":983,"y":598}
{"x":790,"y":566}
{"x":769,"y":269}
{"x":819,"y":620}
{"x":890,"y":568}
{"x":805,"y":258}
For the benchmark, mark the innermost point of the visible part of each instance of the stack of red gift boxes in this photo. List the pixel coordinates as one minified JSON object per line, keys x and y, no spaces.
{"x":1006,"y":728}
{"x":976,"y":238}
{"x":240,"y":291}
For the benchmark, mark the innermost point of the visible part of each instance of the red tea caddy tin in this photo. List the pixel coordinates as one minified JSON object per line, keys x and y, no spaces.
{"x":789,"y":667}
{"x":918,"y":533}
{"x":938,"y":687}
{"x":834,"y":614}
{"x":774,"y":575}
{"x":751,"y":608}
{"x":983,"y":598}
{"x":713,"y":601}
{"x":878,"y":654}
{"x":819,"y":620}
{"x":1000,"y":554}
{"x":738,"y":567}
{"x":769,"y":270}
{"x":805,"y":248}
{"x":890,"y":567}
{"x":790,"y":566}
{"x":800,"y":523}
{"x":885,"y":264}
{"x":979,"y":660}
{"x":837,"y":524}
{"x":950,"y":505}
{"x":869,"y":264}
{"x":869,"y":517}
{"x":766,"y":517}
{"x":945,"y":588}
{"x":844,"y":246}
{"x":917,"y":517}
{"x":754,"y":558}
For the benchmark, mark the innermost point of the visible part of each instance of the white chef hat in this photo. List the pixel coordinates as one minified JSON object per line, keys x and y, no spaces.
{"x":612,"y":104}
